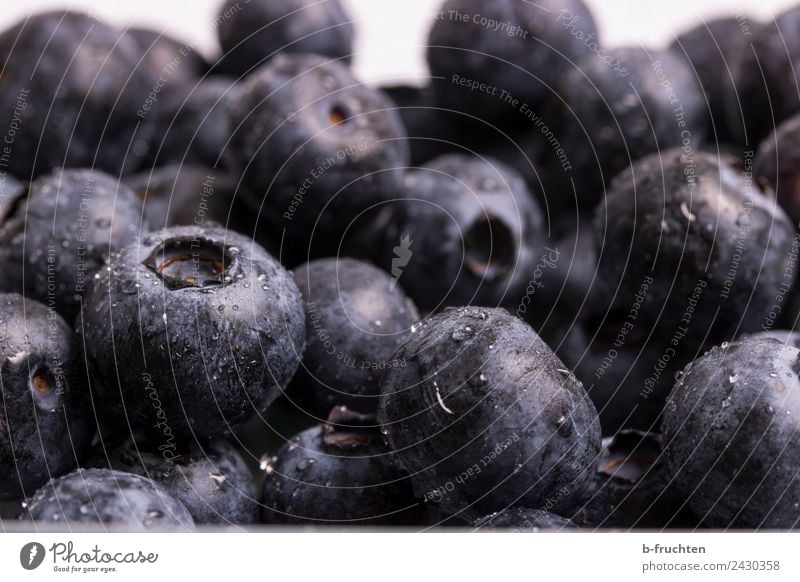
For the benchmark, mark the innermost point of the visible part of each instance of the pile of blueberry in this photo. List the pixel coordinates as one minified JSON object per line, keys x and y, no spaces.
{"x":553,"y":288}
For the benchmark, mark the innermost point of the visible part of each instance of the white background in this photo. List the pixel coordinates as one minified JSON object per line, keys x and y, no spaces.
{"x":401,"y":557}
{"x":391,"y":34}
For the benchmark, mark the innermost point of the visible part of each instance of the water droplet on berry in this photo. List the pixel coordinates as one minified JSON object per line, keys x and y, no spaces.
{"x":305,"y":464}
{"x":265,"y":463}
{"x":563,"y":426}
{"x":218,"y":478}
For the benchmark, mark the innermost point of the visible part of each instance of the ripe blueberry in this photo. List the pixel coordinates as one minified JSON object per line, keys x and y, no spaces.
{"x":485,"y":417}
{"x":183,"y":195}
{"x":63,"y":233}
{"x":45,"y":423}
{"x":632,"y":487}
{"x":108,"y":499}
{"x":731,"y":435}
{"x":712,"y":49}
{"x":192,"y":331}
{"x":210,"y":478}
{"x":612,"y":115}
{"x":253,"y":32}
{"x":764,"y":95}
{"x":466,"y":231}
{"x":314,"y":148}
{"x":356,"y":317}
{"x":79,"y":92}
{"x":176,"y":61}
{"x":483,"y":55}
{"x":692,"y":247}
{"x":195,"y":122}
{"x":337,"y":473}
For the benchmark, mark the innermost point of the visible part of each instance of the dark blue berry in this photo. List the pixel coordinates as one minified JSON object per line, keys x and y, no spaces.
{"x":45,"y":417}
{"x":109,"y":500}
{"x":192,"y":331}
{"x":356,"y":318}
{"x":485,"y":417}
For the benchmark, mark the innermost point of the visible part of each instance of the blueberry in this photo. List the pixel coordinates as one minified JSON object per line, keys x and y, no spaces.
{"x":183,"y":195}
{"x":616,"y":110}
{"x":712,"y":49}
{"x":632,"y":487}
{"x":356,"y":317}
{"x":44,"y":423}
{"x":545,"y":167}
{"x":314,"y":148}
{"x":431,"y":131}
{"x":524,"y":520}
{"x":466,"y":231}
{"x":175,"y":61}
{"x":731,"y":438}
{"x":192,"y":331}
{"x":515,"y":49}
{"x":72,"y":220}
{"x":560,"y":285}
{"x":692,"y":248}
{"x":211,"y":479}
{"x":484,"y":416}
{"x":76,"y":89}
{"x":195,"y":122}
{"x":765,"y":95}
{"x":777,"y":161}
{"x":627,"y":372}
{"x":337,"y":473}
{"x":108,"y":499}
{"x":252,"y":32}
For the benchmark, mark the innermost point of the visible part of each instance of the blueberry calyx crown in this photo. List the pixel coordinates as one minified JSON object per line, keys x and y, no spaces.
{"x":348,"y":429}
{"x":631,"y":453}
{"x":337,"y":115}
{"x":45,"y":386}
{"x":192,"y":262}
{"x":489,"y":248}
{"x":42,"y":380}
